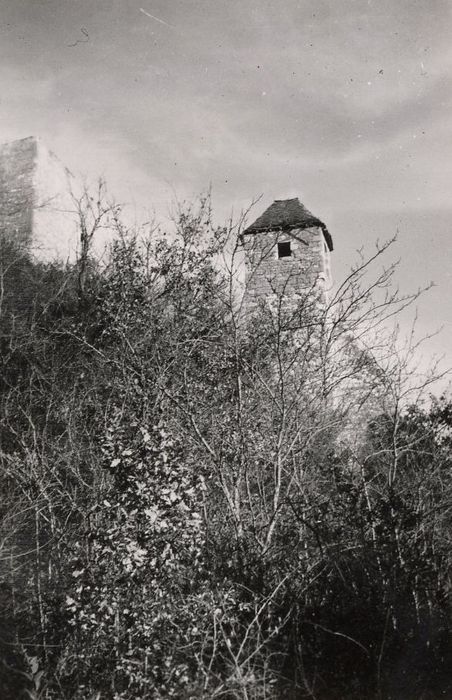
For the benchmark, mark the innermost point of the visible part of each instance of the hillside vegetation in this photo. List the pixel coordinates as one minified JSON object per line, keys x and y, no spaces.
{"x":195,"y":507}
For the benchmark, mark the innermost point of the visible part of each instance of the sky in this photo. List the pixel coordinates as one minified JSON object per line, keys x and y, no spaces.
{"x":343,"y":103}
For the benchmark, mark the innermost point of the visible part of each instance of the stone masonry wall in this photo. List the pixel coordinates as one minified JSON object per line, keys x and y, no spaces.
{"x":17,"y":165}
{"x":36,"y":208}
{"x":268,"y":276}
{"x":54,"y":217}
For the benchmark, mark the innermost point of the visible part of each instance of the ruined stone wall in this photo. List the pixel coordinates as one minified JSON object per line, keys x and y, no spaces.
{"x":17,"y":166}
{"x":36,"y":208}
{"x":54,"y":217}
{"x":267,"y":275}
{"x":360,"y":391}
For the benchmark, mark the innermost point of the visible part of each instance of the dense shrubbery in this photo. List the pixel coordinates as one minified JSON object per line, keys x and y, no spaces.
{"x":195,"y":508}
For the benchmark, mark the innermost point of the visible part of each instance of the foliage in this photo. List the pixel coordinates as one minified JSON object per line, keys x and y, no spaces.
{"x":197,"y":503}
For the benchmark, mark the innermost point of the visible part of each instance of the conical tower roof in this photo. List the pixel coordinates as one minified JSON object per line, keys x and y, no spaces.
{"x":286,"y":214}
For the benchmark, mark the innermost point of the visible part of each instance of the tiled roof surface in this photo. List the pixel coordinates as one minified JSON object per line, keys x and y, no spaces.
{"x":286,"y":214}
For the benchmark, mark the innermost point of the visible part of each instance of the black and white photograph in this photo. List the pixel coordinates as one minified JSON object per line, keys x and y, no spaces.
{"x":225,"y":350}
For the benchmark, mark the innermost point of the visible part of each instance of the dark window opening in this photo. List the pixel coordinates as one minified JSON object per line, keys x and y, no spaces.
{"x":284,"y":250}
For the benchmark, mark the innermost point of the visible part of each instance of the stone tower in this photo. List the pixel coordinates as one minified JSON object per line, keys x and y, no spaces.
{"x":36,"y":208}
{"x":287,"y":252}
